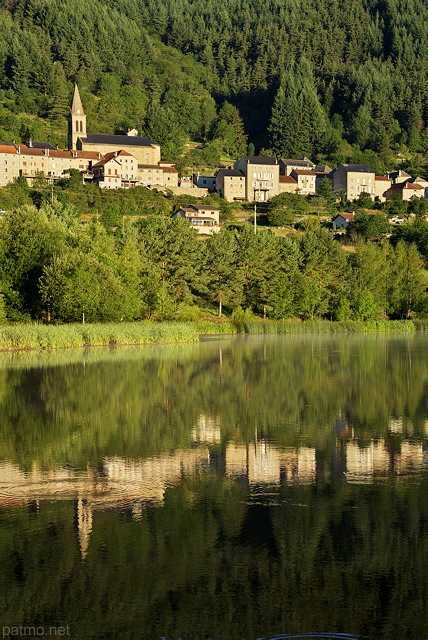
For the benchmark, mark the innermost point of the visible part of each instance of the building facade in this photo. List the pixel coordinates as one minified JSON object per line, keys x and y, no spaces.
{"x":262,"y":177}
{"x":354,"y":179}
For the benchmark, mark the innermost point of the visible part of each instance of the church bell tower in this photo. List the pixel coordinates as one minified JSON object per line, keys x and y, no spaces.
{"x":76,"y":121}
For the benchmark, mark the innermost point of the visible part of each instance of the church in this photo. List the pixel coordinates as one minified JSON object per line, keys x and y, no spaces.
{"x":143,"y":149}
{"x":111,"y":161}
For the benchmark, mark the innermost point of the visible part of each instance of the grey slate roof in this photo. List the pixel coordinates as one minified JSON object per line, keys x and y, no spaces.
{"x":123,"y":141}
{"x":298,"y":162}
{"x":259,"y":159}
{"x":230,"y":172}
{"x":41,"y":145}
{"x":362,"y":168}
{"x":322,"y":168}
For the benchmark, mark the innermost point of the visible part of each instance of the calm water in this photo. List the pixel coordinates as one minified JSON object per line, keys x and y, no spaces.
{"x":247,"y":488}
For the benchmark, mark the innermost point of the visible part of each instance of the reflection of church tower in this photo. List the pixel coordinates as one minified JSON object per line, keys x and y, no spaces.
{"x":76,"y":121}
{"x":84,"y":525}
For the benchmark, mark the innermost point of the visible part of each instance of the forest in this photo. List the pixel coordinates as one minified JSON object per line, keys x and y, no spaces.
{"x":54,"y":267}
{"x":333,"y":81}
{"x":231,"y":77}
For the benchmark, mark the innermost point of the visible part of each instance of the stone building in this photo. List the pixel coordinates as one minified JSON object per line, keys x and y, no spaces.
{"x":143,"y":149}
{"x":204,"y":218}
{"x":262,"y":177}
{"x":231,"y":184}
{"x":354,"y":179}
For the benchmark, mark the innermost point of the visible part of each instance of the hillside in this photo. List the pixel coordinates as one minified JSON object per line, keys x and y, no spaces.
{"x":325,"y":79}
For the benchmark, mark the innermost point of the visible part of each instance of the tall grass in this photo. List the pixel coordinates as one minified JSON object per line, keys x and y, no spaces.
{"x":325,"y":326}
{"x":27,"y":336}
{"x":77,"y":335}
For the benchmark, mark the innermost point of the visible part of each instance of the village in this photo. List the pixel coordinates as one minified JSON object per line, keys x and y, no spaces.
{"x":127,"y":161}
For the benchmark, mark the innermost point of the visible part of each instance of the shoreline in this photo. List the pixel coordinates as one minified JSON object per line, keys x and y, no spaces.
{"x":25,"y":337}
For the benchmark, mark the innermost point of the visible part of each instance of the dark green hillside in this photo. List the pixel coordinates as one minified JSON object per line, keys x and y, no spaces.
{"x":355,"y":72}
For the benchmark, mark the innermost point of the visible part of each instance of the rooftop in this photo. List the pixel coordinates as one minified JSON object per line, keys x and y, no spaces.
{"x":258,"y":160}
{"x":356,"y":168}
{"x":288,"y":179}
{"x":40,"y":145}
{"x":230,"y":172}
{"x":123,"y":140}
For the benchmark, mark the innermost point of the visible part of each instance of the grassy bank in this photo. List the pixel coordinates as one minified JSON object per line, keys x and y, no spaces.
{"x":25,"y":336}
{"x":325,"y":326}
{"x":77,"y":335}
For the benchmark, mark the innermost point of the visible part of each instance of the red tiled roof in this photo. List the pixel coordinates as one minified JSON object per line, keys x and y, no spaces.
{"x":385,"y":178}
{"x":347,"y":216}
{"x":7,"y":149}
{"x":405,"y":185}
{"x":104,"y":161}
{"x":29,"y":151}
{"x":169,"y":169}
{"x":113,"y":154}
{"x":89,"y":155}
{"x":288,"y":179}
{"x":304,"y":172}
{"x":60,"y":154}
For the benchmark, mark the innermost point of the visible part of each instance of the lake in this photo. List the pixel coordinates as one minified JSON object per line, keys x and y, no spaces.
{"x":246,"y":488}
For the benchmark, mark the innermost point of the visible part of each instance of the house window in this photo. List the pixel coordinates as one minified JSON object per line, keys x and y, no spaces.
{"x":77,"y":126}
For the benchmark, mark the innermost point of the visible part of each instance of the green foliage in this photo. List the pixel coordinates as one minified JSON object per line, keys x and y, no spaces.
{"x":56,"y":270}
{"x":316,"y":81}
{"x":368,"y":226}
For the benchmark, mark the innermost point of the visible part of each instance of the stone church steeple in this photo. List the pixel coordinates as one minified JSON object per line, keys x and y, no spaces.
{"x":76,"y":121}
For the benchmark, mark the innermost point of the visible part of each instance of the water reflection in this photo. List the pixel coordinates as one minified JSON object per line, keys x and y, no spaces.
{"x":230,"y":491}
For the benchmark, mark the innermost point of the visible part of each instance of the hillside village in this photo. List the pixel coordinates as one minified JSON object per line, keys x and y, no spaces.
{"x":126,"y":161}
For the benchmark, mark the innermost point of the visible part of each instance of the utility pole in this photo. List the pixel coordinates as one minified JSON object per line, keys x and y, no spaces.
{"x":255,"y":218}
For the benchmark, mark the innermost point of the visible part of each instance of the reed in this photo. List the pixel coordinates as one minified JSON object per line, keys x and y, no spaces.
{"x":77,"y":335}
{"x":37,"y":336}
{"x":324,"y":326}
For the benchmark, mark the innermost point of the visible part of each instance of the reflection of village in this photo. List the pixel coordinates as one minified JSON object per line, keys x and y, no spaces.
{"x":136,"y":484}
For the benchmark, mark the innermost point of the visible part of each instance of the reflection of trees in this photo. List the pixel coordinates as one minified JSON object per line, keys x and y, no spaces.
{"x":289,"y":389}
{"x":335,"y":556}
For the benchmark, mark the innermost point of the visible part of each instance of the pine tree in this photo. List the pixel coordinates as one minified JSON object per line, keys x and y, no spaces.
{"x":284,"y":123}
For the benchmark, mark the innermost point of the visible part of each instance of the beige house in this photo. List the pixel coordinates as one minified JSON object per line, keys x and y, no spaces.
{"x":305,"y":181}
{"x":204,"y":218}
{"x":128,"y":167}
{"x":405,"y":191}
{"x":354,"y":179}
{"x":9,"y":164}
{"x":170,"y":175}
{"x":286,"y":166}
{"x":422,"y":182}
{"x":262,"y":177}
{"x":108,"y":173}
{"x":287,"y":184}
{"x":230,"y":184}
{"x":382,"y":184}
{"x":150,"y":175}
